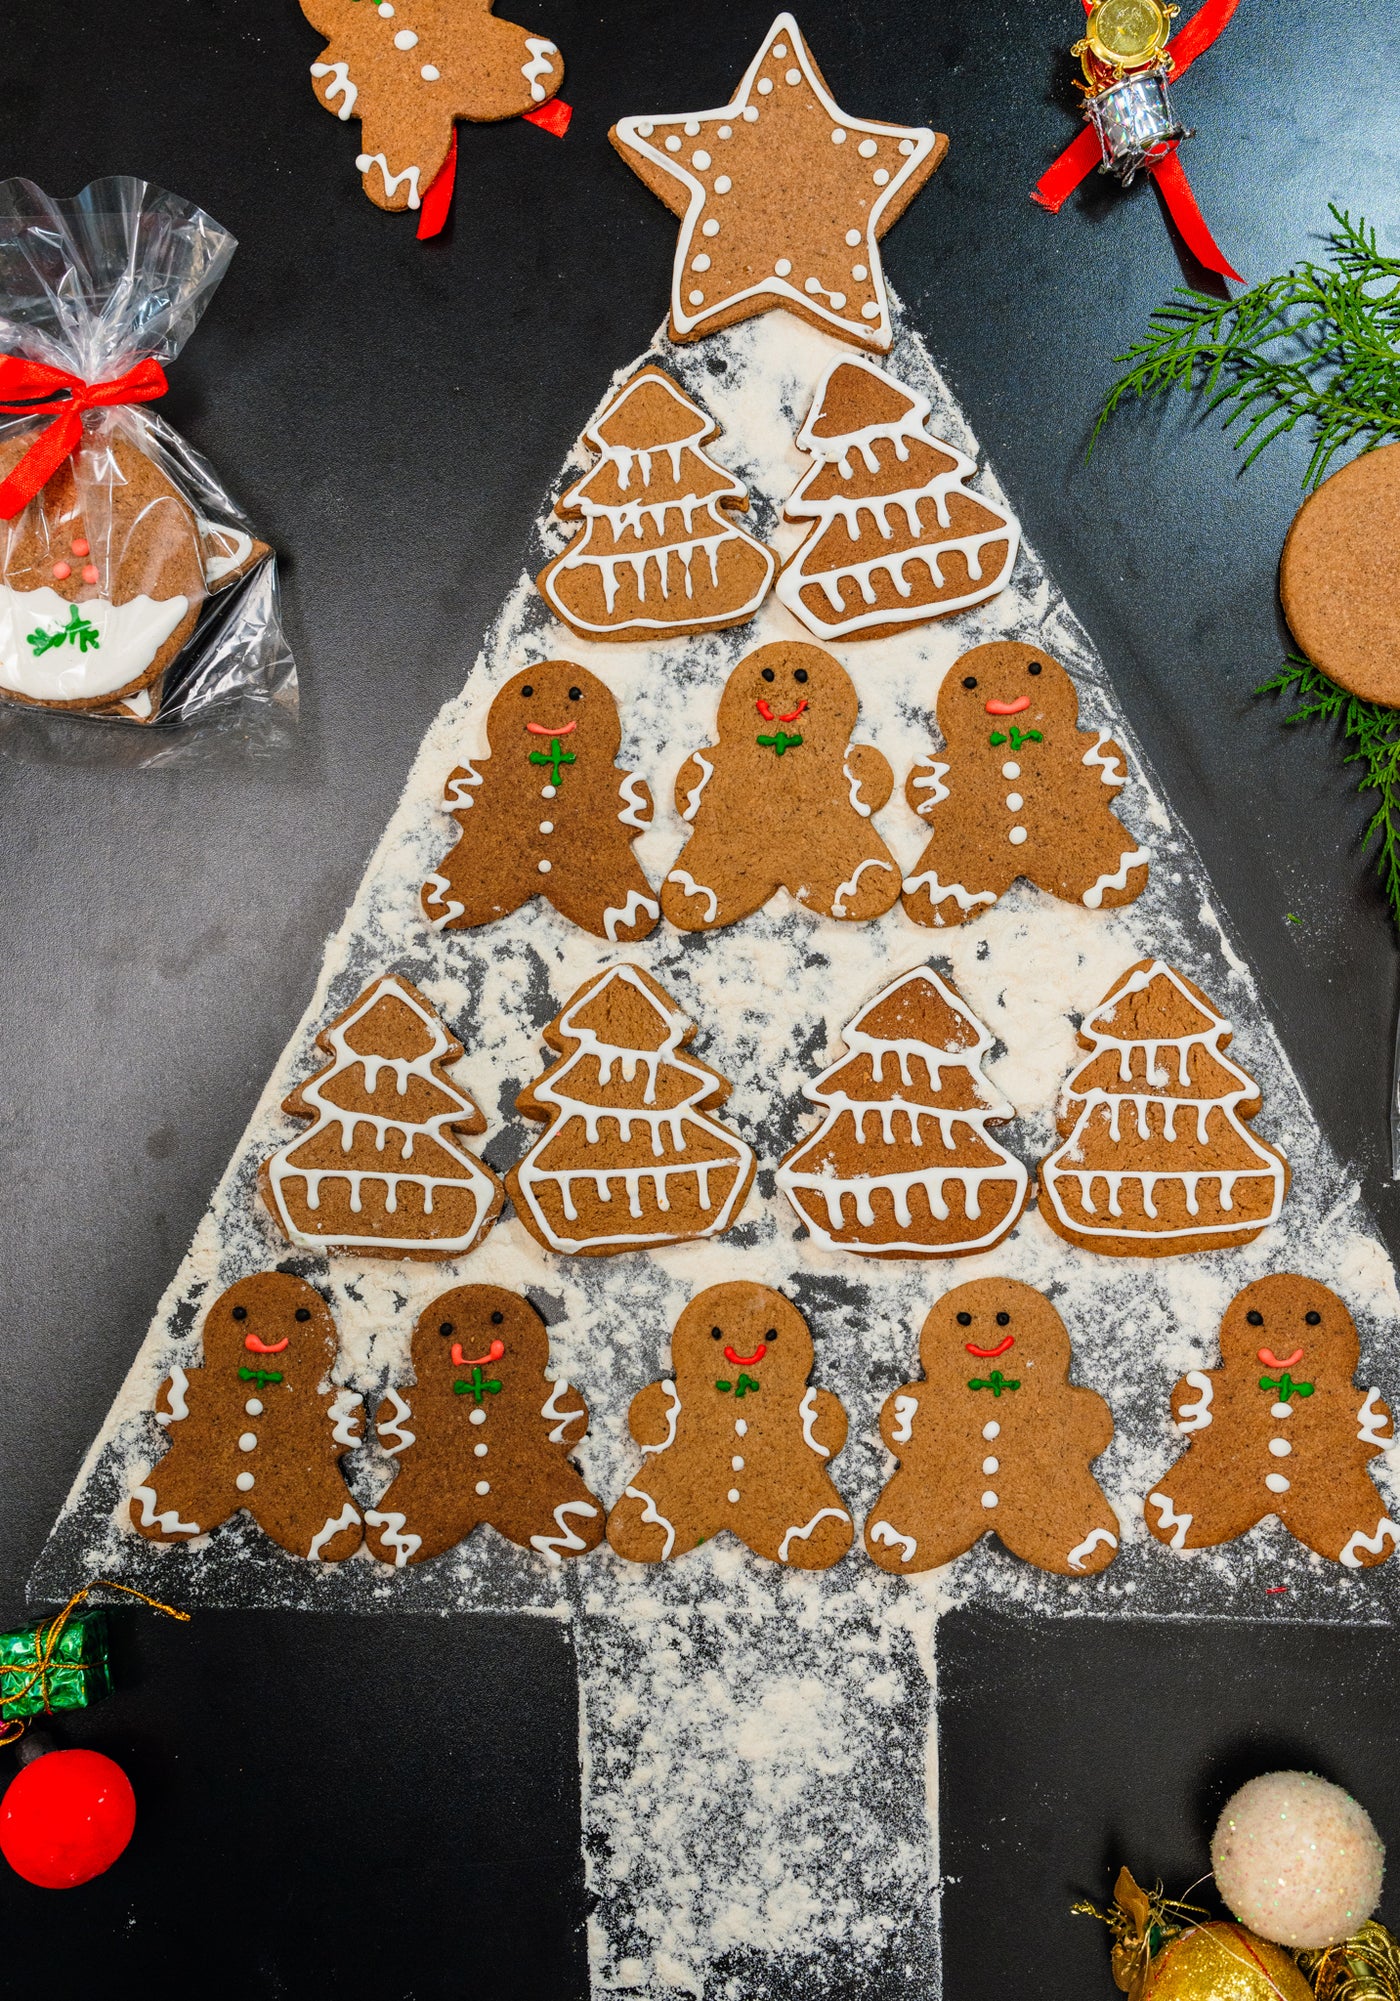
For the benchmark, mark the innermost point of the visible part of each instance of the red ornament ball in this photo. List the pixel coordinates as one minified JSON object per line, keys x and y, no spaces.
{"x":65,"y":1818}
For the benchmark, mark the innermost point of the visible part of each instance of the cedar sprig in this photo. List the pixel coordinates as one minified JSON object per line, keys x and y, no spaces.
{"x":1373,"y":734}
{"x":1318,"y":346}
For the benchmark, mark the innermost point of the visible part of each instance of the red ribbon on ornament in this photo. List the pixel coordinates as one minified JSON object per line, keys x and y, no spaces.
{"x":54,"y":392}
{"x":1079,"y":159}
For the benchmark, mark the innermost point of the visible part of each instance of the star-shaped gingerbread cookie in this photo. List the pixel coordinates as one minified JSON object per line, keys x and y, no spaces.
{"x":782,"y":197}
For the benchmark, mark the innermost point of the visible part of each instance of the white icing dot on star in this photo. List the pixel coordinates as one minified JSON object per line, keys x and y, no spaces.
{"x":838,"y":137}
{"x":430,"y":72}
{"x":870,"y":311}
{"x":783,"y":266}
{"x":701,"y":159}
{"x":645,"y":131}
{"x":692,"y":128}
{"x":880,"y":176}
{"x":868,"y":149}
{"x":859,"y":272}
{"x":723,"y":185}
{"x":751,"y":110}
{"x":673,"y":144}
{"x":780,"y":50}
{"x":697,"y":298}
{"x":906,"y":146}
{"x":405,"y":39}
{"x":726,"y":131}
{"x":812,"y":285}
{"x":700,"y":263}
{"x":838,"y":299}
{"x":853,"y":237}
{"x":710,"y":228}
{"x":792,"y":76}
{"x":765,"y":84}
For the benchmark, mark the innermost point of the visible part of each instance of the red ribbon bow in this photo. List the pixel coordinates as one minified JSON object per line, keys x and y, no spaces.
{"x":45,"y":392}
{"x":1058,"y":183}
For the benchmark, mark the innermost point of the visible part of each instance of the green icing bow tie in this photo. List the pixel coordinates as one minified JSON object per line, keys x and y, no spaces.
{"x":1285,"y":1386}
{"x":996,"y":1382}
{"x":744,"y":1383}
{"x":553,"y":757}
{"x":779,"y":742}
{"x":477,"y":1387}
{"x":1018,"y":737}
{"x":262,"y":1377}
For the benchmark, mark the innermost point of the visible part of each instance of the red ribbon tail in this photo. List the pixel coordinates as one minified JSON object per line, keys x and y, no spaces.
{"x":1182,"y":207}
{"x":1059,"y":182}
{"x":39,"y":464}
{"x":438,"y":200}
{"x":552,"y":117}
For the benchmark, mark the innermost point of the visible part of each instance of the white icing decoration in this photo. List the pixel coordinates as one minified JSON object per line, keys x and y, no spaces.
{"x":897,"y":518}
{"x":580,"y":1118}
{"x":1112,"y":772}
{"x":245,"y":1483}
{"x":803,"y":1530}
{"x":1280,"y":1448}
{"x":1064,"y":1165}
{"x":436,"y":896}
{"x":905,"y":1411}
{"x":1276,"y":1483}
{"x":218,"y":566}
{"x":694,"y":888}
{"x":871,"y":326}
{"x":966,"y":899}
{"x":1373,"y":1424}
{"x":1091,"y":1542}
{"x":1168,"y":1518}
{"x":457,"y":798}
{"x":932,"y":783}
{"x":554,"y":1413}
{"x":637,"y":905}
{"x":549,"y":1546}
{"x":650,"y":1513}
{"x":472,"y":1178}
{"x":395,"y":1426}
{"x":1385,"y":1527}
{"x":539,"y":65}
{"x":990,"y":1500}
{"x":636,"y":811}
{"x":175,"y":1392}
{"x":341,"y":87}
{"x":127,"y":639}
{"x":1116,"y":878}
{"x":838,"y":902}
{"x":391,"y":1526}
{"x":348,"y":1518}
{"x":808,"y":1410}
{"x":365,"y":161}
{"x":912,"y":1112}
{"x":405,"y":39}
{"x":673,"y":1411}
{"x":890,"y":1538}
{"x":693,"y":796}
{"x":344,"y":1414}
{"x":168,"y":1523}
{"x":854,"y":782}
{"x":1196,"y":1416}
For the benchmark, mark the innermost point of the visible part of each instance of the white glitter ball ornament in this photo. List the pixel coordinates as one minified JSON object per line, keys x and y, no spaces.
{"x":1297,"y":1860}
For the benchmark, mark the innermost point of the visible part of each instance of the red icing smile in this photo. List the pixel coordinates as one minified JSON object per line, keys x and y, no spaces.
{"x":757,"y":1356}
{"x":1273,"y":1361}
{"x":767,"y":714}
{"x":257,"y":1347}
{"x":547,"y":729}
{"x":461,"y":1361}
{"x":996,"y":708}
{"x":990,"y":1354}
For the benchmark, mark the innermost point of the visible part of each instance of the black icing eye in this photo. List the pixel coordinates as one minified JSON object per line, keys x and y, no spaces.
{"x":768,"y":673}
{"x":1035,"y":667}
{"x":964,"y":1320}
{"x":302,"y":1313}
{"x":800,"y":674}
{"x":446,"y":1329}
{"x":771,"y":1335}
{"x":716,"y":1334}
{"x":240,"y":1313}
{"x":527,"y":692}
{"x":1254,"y":1317}
{"x":970,"y":681}
{"x":575,"y":694}
{"x":1003,"y":1320}
{"x":1313,"y":1319}
{"x":496,"y":1319}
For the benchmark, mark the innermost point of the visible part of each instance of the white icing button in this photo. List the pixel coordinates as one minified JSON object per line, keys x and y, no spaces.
{"x":838,"y":137}
{"x":723,"y":185}
{"x":880,"y":176}
{"x":783,"y":266}
{"x":726,"y":131}
{"x":751,"y":110}
{"x":792,"y":76}
{"x":546,"y":866}
{"x":1280,"y":1447}
{"x":253,"y":1407}
{"x":701,"y":159}
{"x":779,"y":50}
{"x":1011,"y":771}
{"x":853,"y":237}
{"x":547,"y":791}
{"x":710,"y":228}
{"x":483,"y":1486}
{"x":765,"y":84}
{"x":1015,"y":801}
{"x":1281,"y":1410}
{"x":248,"y":1442}
{"x":692,"y":128}
{"x":737,"y":1464}
{"x":991,"y":1465}
{"x":700,"y":263}
{"x":697,"y":298}
{"x":480,"y":1449}
{"x":741,"y":1426}
{"x":870,"y":311}
{"x":868,"y":149}
{"x":478,"y":1417}
{"x":859,"y":272}
{"x":405,"y":39}
{"x":386,"y":10}
{"x":244,"y":1483}
{"x":673,"y":144}
{"x":546,"y":826}
{"x":992,"y":1430}
{"x":989,"y":1499}
{"x":430,"y":72}
{"x":733,"y":1493}
{"x":1276,"y":1483}
{"x":906,"y":147}
{"x":1016,"y":836}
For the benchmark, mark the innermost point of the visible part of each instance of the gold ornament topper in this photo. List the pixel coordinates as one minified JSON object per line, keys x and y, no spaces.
{"x":1124,"y":35}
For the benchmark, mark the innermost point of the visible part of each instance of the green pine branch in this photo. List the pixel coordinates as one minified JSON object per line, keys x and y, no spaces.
{"x":1318,"y":347}
{"x":1373,"y":733}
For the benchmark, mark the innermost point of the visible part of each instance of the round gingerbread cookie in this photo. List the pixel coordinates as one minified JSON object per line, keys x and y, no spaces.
{"x":1337,"y":577}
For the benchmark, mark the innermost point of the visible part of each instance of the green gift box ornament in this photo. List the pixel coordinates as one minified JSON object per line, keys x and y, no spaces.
{"x":62,"y":1663}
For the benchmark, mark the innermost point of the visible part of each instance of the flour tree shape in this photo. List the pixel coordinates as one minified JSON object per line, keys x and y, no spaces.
{"x":660,"y":551}
{"x":629,"y":1160}
{"x":900,"y":537}
{"x":903,"y":1165}
{"x":380,"y":1173}
{"x":1155,"y":1158}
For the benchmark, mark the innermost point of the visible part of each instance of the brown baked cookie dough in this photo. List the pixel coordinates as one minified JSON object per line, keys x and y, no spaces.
{"x":1340,"y":576}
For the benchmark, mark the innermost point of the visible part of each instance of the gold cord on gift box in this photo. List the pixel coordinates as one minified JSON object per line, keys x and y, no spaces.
{"x":46,"y":1638}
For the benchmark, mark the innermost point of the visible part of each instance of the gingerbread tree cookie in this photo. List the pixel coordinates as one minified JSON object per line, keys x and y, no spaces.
{"x":737,"y":1440}
{"x":483,"y":1436}
{"x":550,"y":813}
{"x":630,"y":1160}
{"x":1023,"y":793}
{"x":407,"y":71}
{"x":660,"y":551}
{"x":258,"y":1427}
{"x":380,"y":1172}
{"x":900,"y":536}
{"x":1279,"y":1429}
{"x":782,"y":198}
{"x":1155,"y":1157}
{"x":994,"y":1439}
{"x":902,"y":1165}
{"x":783,"y":801}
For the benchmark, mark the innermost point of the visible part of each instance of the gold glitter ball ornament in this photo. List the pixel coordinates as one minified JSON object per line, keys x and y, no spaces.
{"x":1222,"y":1962}
{"x":1297,"y":1860}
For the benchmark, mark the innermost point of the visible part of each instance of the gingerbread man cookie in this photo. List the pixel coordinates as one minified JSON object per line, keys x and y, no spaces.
{"x":994,"y":1439}
{"x":407,"y":71}
{"x":484,"y":1436}
{"x":1024,"y":792}
{"x":259,"y":1426}
{"x":549,"y":813}
{"x":783,"y":800}
{"x":1279,"y":1429}
{"x":737,"y":1440}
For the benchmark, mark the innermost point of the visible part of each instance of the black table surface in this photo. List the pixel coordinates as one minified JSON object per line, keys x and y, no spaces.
{"x":392,"y":1806}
